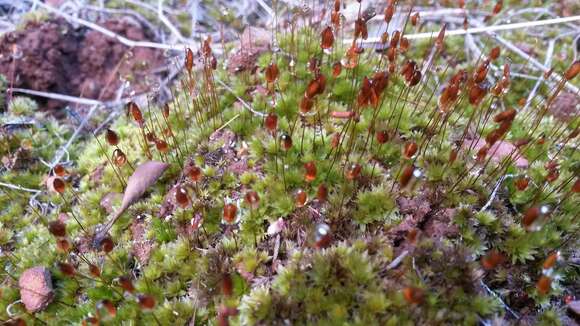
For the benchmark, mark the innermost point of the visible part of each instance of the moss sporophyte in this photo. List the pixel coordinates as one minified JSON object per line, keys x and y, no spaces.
{"x":334,"y":178}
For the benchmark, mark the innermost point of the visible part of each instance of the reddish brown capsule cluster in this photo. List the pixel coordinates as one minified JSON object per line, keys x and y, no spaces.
{"x":413,"y":295}
{"x":521,"y":183}
{"x":230,"y":213}
{"x":135,"y":112}
{"x":119,"y":158}
{"x":252,"y":199}
{"x":146,"y":302}
{"x":195,"y":173}
{"x":353,"y":171}
{"x":322,"y":192}
{"x":126,"y":284}
{"x":411,"y":73}
{"x":271,"y":122}
{"x":552,"y":170}
{"x":410,"y":149}
{"x":56,"y":184}
{"x":272,"y":73}
{"x":322,"y":236}
{"x":67,"y":269}
{"x":300,"y":198}
{"x":492,"y":259}
{"x":372,"y":89}
{"x":310,"y":171}
{"x":59,"y":170}
{"x":533,"y":216}
{"x":327,"y":38}
{"x":451,"y":91}
{"x":181,"y":197}
{"x":544,"y":285}
{"x":112,"y":137}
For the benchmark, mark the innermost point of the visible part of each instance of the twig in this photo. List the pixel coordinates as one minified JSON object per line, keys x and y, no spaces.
{"x":61,"y":151}
{"x":119,"y":38}
{"x":495,"y":189}
{"x":18,"y":187}
{"x":67,"y":98}
{"x":490,"y":291}
{"x":244,"y":103}
{"x":480,"y":29}
{"x":168,"y":23}
{"x":547,"y":62}
{"x":397,"y":260}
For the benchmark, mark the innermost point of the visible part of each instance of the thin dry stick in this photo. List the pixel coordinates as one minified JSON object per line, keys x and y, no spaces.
{"x":480,"y":29}
{"x":244,"y":103}
{"x":68,"y":98}
{"x":119,"y":38}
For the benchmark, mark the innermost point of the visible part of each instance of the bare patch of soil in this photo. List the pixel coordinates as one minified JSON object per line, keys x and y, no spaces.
{"x":52,"y":56}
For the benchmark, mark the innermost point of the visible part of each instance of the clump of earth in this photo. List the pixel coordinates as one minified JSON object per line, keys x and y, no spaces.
{"x":53,"y":56}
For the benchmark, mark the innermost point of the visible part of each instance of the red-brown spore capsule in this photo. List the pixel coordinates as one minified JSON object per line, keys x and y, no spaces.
{"x":126,"y":284}
{"x":162,"y":146}
{"x":353,"y":171}
{"x":195,"y":173}
{"x":306,"y":104}
{"x":310,"y":171}
{"x":67,"y":269}
{"x":57,"y":228}
{"x":522,"y":183}
{"x":300,"y":198}
{"x":252,"y":198}
{"x":107,"y":244}
{"x":492,"y":259}
{"x":135,"y":112}
{"x":119,"y":158}
{"x":286,"y":141}
{"x":573,"y":71}
{"x":272,"y":73}
{"x":544,"y":285}
{"x":227,"y":285}
{"x":271,"y":122}
{"x":59,"y":170}
{"x":230,"y":212}
{"x":494,"y":53}
{"x":322,"y":192}
{"x":322,"y":236}
{"x":382,"y":136}
{"x":551,"y":260}
{"x":94,"y":270}
{"x":181,"y":197}
{"x":410,"y":149}
{"x":112,"y":137}
{"x":413,"y":295}
{"x":146,"y":301}
{"x":327,"y":38}
{"x":336,"y":69}
{"x":110,"y":307}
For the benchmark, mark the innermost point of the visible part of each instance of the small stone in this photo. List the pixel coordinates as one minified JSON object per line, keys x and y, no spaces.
{"x":35,"y":288}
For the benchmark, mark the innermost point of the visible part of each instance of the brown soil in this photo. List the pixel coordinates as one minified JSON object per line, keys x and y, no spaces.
{"x":52,"y":56}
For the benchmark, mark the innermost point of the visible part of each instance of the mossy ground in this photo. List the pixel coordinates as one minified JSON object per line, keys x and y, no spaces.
{"x":442,"y":233}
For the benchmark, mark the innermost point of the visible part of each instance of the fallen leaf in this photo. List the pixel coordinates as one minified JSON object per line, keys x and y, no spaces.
{"x":145,"y":176}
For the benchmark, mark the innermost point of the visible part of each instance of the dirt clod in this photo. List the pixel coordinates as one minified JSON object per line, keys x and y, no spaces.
{"x":35,"y":288}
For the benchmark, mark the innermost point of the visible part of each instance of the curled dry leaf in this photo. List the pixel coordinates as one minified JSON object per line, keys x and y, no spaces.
{"x":145,"y":176}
